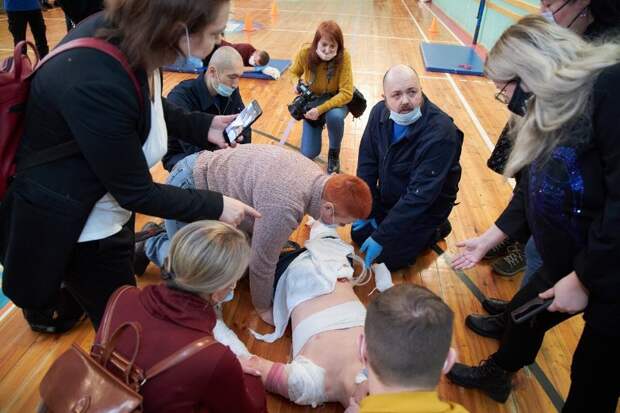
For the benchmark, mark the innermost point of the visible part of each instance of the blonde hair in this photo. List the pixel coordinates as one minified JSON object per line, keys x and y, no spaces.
{"x":560,"y":69}
{"x":206,"y":256}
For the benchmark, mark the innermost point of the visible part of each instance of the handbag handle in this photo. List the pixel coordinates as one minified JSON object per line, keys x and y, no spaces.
{"x":17,"y":57}
{"x":109,"y":347}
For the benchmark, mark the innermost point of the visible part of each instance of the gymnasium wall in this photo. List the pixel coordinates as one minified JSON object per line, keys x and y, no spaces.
{"x":498,"y":15}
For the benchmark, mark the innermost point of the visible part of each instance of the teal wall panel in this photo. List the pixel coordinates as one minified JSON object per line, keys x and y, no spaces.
{"x":464,"y":13}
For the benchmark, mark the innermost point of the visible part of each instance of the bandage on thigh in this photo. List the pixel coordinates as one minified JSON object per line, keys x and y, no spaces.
{"x":277,"y":380}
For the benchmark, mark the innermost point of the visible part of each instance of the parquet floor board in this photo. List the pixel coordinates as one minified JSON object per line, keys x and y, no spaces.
{"x":378,"y":34}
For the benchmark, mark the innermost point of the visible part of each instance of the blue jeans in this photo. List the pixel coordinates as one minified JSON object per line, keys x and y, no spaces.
{"x":156,"y":248}
{"x":311,"y":136}
{"x":533,"y":261}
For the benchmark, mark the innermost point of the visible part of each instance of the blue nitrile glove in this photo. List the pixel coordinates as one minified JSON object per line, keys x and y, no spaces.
{"x":361,"y":223}
{"x":371,"y":249}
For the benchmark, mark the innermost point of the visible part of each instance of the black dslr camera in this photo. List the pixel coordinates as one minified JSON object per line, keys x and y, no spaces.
{"x":305,"y":101}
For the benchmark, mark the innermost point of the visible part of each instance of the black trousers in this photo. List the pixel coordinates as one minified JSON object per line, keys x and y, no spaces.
{"x":18,"y":20}
{"x":100,"y":267}
{"x":402,"y":252}
{"x":595,"y":357}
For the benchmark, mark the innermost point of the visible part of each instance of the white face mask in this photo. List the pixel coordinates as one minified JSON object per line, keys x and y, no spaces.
{"x":548,"y":15}
{"x":406,"y":119}
{"x":252,"y":61}
{"x":326,"y":57}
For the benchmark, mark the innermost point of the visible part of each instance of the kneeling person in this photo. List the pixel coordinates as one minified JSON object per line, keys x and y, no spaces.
{"x":283,"y":186}
{"x":215,"y":91}
{"x":409,"y":157}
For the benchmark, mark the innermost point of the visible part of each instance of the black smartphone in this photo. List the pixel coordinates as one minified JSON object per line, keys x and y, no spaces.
{"x":530,"y":309}
{"x":243,"y":121}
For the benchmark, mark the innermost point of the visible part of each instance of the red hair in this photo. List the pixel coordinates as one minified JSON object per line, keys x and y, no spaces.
{"x":349,"y":194}
{"x":330,"y":30}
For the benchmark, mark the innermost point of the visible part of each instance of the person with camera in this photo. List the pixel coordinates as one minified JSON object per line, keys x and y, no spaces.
{"x":409,"y":157}
{"x":568,"y":199}
{"x":206,"y":260}
{"x":216,"y":91}
{"x":69,"y":221}
{"x":325,"y":67}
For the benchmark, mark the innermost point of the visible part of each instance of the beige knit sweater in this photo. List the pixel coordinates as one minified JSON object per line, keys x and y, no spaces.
{"x":281,"y":184}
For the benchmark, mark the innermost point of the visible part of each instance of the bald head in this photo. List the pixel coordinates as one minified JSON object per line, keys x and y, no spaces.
{"x":225,"y":67}
{"x":401,"y":89}
{"x":225,"y":58}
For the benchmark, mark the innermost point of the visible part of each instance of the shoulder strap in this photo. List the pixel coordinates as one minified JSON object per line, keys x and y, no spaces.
{"x":103,"y":46}
{"x":179,"y":356}
{"x":71,"y":148}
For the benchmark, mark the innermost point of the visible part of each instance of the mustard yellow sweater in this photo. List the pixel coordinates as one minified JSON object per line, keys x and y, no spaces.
{"x":341,"y":83}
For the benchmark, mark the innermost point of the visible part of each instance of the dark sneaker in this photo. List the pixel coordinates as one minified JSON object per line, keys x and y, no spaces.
{"x":333,"y":161}
{"x":488,"y":377}
{"x":60,"y":319}
{"x":494,"y":306}
{"x":499,"y":250}
{"x":140,"y":260}
{"x":491,"y":326}
{"x":511,"y":264}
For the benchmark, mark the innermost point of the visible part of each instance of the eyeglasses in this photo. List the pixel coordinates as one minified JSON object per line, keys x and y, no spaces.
{"x":501,"y":95}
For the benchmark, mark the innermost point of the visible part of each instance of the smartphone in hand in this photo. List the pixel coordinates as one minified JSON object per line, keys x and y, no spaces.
{"x":243,"y":121}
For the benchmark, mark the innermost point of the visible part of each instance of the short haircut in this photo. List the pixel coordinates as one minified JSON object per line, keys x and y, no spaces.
{"x":150,"y":30}
{"x":206,"y":256}
{"x":263,"y":58}
{"x":408,"y":333}
{"x":349,"y":194}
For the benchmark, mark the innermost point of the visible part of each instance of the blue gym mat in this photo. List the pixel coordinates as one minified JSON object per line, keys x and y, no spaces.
{"x":280,"y":64}
{"x":236,"y":26}
{"x":451,"y":58}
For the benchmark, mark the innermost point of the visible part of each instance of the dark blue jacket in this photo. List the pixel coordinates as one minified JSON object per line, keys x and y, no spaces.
{"x":193,"y":96}
{"x":414,"y":181}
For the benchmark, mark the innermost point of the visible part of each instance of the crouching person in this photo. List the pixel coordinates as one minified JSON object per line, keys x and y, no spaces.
{"x":206,"y":260}
{"x":406,"y":348}
{"x":409,"y":157}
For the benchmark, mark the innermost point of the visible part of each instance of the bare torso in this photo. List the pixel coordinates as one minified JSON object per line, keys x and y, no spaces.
{"x":336,"y":350}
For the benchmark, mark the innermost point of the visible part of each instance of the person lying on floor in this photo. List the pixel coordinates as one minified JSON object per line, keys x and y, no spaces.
{"x":315,"y":290}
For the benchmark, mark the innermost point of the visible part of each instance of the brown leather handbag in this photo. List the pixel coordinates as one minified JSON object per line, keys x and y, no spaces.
{"x":104,"y":381}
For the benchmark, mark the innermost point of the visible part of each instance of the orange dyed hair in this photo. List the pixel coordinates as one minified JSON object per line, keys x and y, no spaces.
{"x":349,"y":194}
{"x":330,"y":30}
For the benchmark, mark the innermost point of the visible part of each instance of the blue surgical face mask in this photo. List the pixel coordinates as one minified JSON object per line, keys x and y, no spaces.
{"x":222,"y":89}
{"x":229,"y":296}
{"x":189,"y":62}
{"x":406,"y":119}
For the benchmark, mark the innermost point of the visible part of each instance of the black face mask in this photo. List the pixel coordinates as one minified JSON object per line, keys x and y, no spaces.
{"x":518,"y":101}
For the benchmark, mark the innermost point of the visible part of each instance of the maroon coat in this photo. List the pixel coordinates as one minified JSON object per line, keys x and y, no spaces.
{"x":244,"y":49}
{"x":209,"y":381}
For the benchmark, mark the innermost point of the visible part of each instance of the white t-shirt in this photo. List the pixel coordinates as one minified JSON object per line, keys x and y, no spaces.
{"x":107,"y":216}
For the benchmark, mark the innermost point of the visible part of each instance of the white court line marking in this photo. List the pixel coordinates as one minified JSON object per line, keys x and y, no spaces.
{"x":375,"y":73}
{"x":372,"y":36}
{"x":472,"y":115}
{"x":7,"y":312}
{"x":322,"y":12}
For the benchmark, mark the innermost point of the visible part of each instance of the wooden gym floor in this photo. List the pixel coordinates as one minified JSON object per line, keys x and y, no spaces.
{"x":378,"y":34}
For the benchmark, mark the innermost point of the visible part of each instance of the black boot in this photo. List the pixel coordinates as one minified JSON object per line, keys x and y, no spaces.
{"x":494,"y":306}
{"x":66,"y":314}
{"x":488,"y":377}
{"x":333,"y":161}
{"x":491,"y":326}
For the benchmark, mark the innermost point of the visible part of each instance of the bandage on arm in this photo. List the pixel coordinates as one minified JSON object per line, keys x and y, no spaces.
{"x":277,"y":380}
